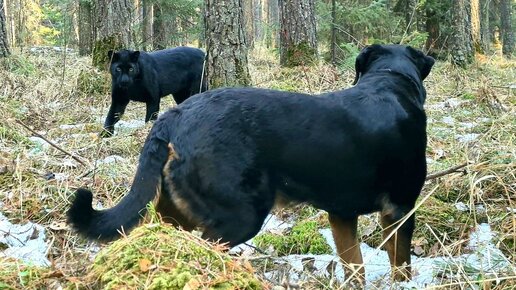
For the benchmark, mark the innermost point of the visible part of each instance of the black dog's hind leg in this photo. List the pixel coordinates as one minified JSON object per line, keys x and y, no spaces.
{"x":152,"y":110}
{"x":116,"y":110}
{"x":181,"y":96}
{"x":345,"y":236}
{"x":398,"y":246}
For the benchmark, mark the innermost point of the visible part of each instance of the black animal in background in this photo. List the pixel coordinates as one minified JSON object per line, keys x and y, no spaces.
{"x":148,"y":76}
{"x":222,"y":159}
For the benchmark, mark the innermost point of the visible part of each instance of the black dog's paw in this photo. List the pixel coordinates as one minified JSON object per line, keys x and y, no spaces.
{"x":105,"y":133}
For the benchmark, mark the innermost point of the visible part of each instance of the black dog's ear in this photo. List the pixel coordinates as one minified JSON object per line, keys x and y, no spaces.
{"x":362,"y":61}
{"x":135,"y":55}
{"x":424,"y":62}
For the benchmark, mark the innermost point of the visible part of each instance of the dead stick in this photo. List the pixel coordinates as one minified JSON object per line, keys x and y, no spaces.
{"x":447,"y":171}
{"x":51,"y":143}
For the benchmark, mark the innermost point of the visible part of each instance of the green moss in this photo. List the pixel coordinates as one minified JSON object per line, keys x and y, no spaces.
{"x":300,"y":54}
{"x":304,"y":238}
{"x":157,"y":256}
{"x":18,"y":64}
{"x":100,"y":51}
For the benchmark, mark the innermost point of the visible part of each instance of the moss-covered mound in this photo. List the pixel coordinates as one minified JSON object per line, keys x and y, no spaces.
{"x":304,"y":238}
{"x":157,"y":256}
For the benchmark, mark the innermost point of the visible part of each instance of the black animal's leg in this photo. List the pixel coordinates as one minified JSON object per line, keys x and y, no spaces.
{"x":345,"y":236}
{"x":181,"y":96}
{"x":152,"y":110}
{"x":116,"y":110}
{"x":398,"y":246}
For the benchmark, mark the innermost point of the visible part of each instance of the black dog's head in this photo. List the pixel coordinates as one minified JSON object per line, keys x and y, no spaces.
{"x":398,"y":58}
{"x":124,"y":67}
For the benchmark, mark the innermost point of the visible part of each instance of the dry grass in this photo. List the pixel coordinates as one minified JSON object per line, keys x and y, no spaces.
{"x":46,"y":92}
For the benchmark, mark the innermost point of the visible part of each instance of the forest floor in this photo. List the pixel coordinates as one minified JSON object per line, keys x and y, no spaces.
{"x":466,"y":220}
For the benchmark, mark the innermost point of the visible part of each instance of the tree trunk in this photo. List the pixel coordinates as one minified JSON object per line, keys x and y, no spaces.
{"x":226,"y":63}
{"x":298,"y":42}
{"x":85,"y":27}
{"x":272,"y":38}
{"x":147,"y":24}
{"x":333,"y":44}
{"x":475,"y":25}
{"x":485,"y":34}
{"x":506,"y":30}
{"x":461,"y":41}
{"x":158,"y":28}
{"x":4,"y":44}
{"x":113,"y":30}
{"x":249,"y":22}
{"x":258,"y":23}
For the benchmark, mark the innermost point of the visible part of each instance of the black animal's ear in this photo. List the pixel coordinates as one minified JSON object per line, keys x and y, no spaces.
{"x":424,"y":62}
{"x":112,"y":56}
{"x":362,"y":61}
{"x":135,"y":55}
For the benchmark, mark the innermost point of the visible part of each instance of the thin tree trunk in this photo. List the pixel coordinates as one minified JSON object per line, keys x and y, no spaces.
{"x":226,"y":63}
{"x":485,"y":34}
{"x":158,"y":28}
{"x":147,"y":24}
{"x":272,"y":40}
{"x":298,"y":42}
{"x":258,"y":20}
{"x":506,"y":29}
{"x":461,"y":41}
{"x":249,"y":22}
{"x":333,"y":46}
{"x":85,"y":27}
{"x":4,"y":44}
{"x":475,"y":25}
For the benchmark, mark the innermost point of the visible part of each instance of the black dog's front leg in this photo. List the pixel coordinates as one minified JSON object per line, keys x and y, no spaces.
{"x":152,"y":110}
{"x":116,"y":111}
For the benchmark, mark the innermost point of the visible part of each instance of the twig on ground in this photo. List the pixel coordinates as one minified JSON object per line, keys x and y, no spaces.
{"x":446,"y":171}
{"x":75,"y":157}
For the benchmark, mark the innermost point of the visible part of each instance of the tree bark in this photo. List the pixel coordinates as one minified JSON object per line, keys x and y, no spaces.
{"x":147,"y":16}
{"x":298,"y":42}
{"x":485,"y":33}
{"x":248,"y":9}
{"x":112,"y":28}
{"x":158,"y":28}
{"x":4,"y":44}
{"x":272,"y":38}
{"x":226,"y":63}
{"x":506,"y":29}
{"x":475,"y":25}
{"x":85,"y":27}
{"x":461,"y":40}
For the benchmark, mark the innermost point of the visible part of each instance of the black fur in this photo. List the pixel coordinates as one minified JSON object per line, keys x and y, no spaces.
{"x":346,"y":152}
{"x":147,"y":77}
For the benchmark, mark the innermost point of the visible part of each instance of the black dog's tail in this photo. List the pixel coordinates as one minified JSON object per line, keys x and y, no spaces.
{"x":106,"y":224}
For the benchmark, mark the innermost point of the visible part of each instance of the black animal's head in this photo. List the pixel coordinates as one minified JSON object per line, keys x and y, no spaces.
{"x":400,"y":58}
{"x":124,"y":67}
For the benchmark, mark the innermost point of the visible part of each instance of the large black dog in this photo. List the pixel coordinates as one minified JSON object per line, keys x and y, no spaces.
{"x":147,"y":77}
{"x":222,"y":159}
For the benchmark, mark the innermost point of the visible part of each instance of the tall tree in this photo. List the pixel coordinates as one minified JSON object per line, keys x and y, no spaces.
{"x":226,"y":63}
{"x":298,"y":42}
{"x":85,"y":27}
{"x":461,"y":40}
{"x":159,"y":28}
{"x":146,"y":24}
{"x":248,"y":9}
{"x":475,"y":24}
{"x":272,"y":37}
{"x":112,"y":28}
{"x":506,"y":29}
{"x":4,"y":45}
{"x":485,"y":33}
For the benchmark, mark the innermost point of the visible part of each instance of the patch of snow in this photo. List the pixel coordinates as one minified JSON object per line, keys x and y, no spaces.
{"x":449,"y":120}
{"x":25,"y":242}
{"x":466,"y":138}
{"x":461,"y":206}
{"x":129,"y":125}
{"x":484,"y":257}
{"x":111,"y":159}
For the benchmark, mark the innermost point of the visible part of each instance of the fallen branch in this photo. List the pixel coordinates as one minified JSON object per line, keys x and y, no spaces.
{"x":446,"y":171}
{"x":52,"y":143}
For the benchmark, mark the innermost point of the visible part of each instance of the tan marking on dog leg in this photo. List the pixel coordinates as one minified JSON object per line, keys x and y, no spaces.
{"x":398,"y":246}
{"x":345,"y":236}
